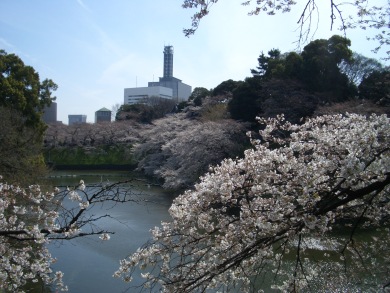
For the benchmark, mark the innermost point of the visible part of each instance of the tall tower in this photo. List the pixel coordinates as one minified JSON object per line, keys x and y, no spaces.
{"x":168,"y":61}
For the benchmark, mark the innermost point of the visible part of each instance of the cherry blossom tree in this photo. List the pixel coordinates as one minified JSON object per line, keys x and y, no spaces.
{"x":91,"y":134}
{"x":258,"y":219}
{"x":30,"y":218}
{"x":179,"y":150}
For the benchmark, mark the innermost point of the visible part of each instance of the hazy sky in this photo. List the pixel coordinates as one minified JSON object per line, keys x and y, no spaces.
{"x":93,"y":49}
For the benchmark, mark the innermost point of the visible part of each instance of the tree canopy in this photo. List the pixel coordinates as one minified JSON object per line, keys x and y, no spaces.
{"x":359,"y":67}
{"x":198,"y":94}
{"x":151,"y":108}
{"x":20,"y":148}
{"x":23,"y":98}
{"x":22,"y":90}
{"x":376,"y":87}
{"x":295,"y":83}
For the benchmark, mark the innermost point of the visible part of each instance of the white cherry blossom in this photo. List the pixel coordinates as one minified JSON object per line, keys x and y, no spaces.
{"x":260,"y":215}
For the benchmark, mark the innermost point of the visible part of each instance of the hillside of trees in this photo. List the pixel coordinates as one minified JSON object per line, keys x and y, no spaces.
{"x":177,"y":144}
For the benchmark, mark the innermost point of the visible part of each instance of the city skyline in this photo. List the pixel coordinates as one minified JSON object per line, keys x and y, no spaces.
{"x":93,"y":49}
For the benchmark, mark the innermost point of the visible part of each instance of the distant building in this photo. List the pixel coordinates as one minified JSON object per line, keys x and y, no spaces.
{"x":75,"y":119}
{"x":139,"y":95}
{"x":50,"y":113}
{"x":167,"y":87}
{"x":103,"y":115}
{"x":181,"y":91}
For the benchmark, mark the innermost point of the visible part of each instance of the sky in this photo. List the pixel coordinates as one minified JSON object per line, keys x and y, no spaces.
{"x":94,"y":49}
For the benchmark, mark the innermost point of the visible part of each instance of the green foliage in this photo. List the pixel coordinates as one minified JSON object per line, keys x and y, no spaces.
{"x":317,"y":67}
{"x":20,"y":148}
{"x":376,"y":88}
{"x":292,"y":65}
{"x":295,"y":84}
{"x":182,"y":105}
{"x":21,"y":89}
{"x":92,"y":156}
{"x":152,"y":108}
{"x":245,"y":105}
{"x":269,"y":66}
{"x":138,"y":112}
{"x":321,"y":72}
{"x":22,"y":99}
{"x":226,"y":87}
{"x":198,"y":94}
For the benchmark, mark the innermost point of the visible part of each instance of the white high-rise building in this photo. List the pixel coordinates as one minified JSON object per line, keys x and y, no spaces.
{"x":181,"y":91}
{"x":139,"y":95}
{"x":168,"y":87}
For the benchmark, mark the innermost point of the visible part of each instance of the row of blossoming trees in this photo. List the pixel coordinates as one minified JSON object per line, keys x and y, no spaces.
{"x":175,"y":149}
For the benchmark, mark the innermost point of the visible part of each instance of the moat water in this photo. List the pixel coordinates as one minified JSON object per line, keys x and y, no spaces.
{"x":88,"y":263}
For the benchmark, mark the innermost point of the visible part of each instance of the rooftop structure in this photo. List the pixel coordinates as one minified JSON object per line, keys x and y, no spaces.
{"x":181,"y":91}
{"x":168,"y":62}
{"x":168,"y":87}
{"x":103,"y":115}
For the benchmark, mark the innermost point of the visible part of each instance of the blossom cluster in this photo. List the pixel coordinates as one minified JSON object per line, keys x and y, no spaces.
{"x":26,"y":218}
{"x":31,"y":218}
{"x":179,"y":150}
{"x":251,"y":217}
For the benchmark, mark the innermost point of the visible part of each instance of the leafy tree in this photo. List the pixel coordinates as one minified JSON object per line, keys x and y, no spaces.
{"x":226,"y":87}
{"x":245,"y":105}
{"x":272,"y":97}
{"x":21,"y":89}
{"x":359,"y":67}
{"x":151,"y":108}
{"x":293,"y":65}
{"x":20,"y":153}
{"x":268,"y":66}
{"x":181,"y":106}
{"x":198,"y":94}
{"x":288,"y":97}
{"x":258,"y":216}
{"x":361,"y":14}
{"x":317,"y":67}
{"x":22,"y":99}
{"x":320,"y":67}
{"x":376,"y":88}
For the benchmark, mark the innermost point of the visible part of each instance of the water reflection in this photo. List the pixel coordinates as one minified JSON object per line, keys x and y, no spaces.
{"x":88,"y":262}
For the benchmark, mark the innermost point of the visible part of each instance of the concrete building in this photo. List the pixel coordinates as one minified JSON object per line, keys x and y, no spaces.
{"x":138,"y":95}
{"x":74,"y":119}
{"x":181,"y":91}
{"x":103,"y":115}
{"x":168,"y":87}
{"x":50,"y":113}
